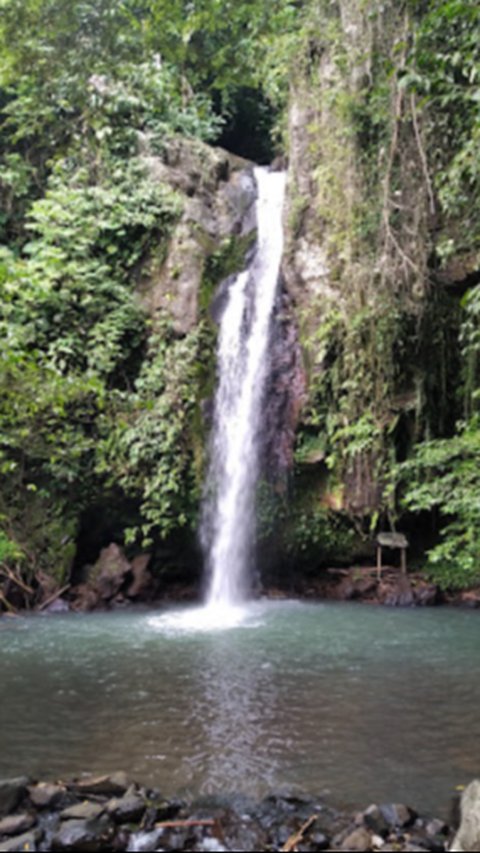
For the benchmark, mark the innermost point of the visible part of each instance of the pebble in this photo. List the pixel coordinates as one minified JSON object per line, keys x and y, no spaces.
{"x":45,"y":796}
{"x":27,"y":841}
{"x":16,"y":824}
{"x":358,"y":840}
{"x":111,"y":813}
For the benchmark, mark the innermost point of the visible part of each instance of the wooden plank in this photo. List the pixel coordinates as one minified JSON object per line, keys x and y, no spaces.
{"x":392,"y":540}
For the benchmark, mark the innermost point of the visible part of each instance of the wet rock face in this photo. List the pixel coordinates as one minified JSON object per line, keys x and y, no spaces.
{"x":114,"y":580}
{"x":114,"y":813}
{"x":218,"y":192}
{"x":285,"y":393}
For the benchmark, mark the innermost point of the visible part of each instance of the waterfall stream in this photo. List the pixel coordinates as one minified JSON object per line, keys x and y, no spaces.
{"x":228,"y":523}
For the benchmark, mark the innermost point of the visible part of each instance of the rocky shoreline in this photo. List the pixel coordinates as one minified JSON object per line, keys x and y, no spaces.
{"x":116,"y":582}
{"x":392,"y":589}
{"x":115,"y":813}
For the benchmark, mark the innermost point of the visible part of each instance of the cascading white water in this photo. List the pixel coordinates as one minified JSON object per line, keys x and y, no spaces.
{"x":228,"y":525}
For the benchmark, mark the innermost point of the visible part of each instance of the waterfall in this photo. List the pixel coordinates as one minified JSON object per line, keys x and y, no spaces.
{"x":228,"y":522}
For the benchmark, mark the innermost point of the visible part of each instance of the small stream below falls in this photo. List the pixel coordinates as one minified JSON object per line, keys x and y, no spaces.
{"x":358,"y":704}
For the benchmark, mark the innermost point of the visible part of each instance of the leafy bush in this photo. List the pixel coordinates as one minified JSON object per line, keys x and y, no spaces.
{"x":445,"y":475}
{"x":148,"y":447}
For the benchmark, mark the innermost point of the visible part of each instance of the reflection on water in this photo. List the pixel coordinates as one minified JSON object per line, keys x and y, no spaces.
{"x":364,"y":703}
{"x":234,"y":699}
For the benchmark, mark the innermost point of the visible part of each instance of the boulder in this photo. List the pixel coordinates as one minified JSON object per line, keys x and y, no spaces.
{"x":16,"y":824}
{"x":142,"y":583}
{"x":46,"y":796}
{"x":58,"y":606}
{"x":130,"y":807}
{"x":468,"y":835}
{"x":436,"y":827}
{"x":28,"y":841}
{"x":426,"y":594}
{"x":358,"y":840}
{"x":142,"y":842}
{"x":109,"y":572}
{"x":11,"y":793}
{"x":470,"y":598}
{"x":88,"y":836}
{"x":114,"y":785}
{"x":374,"y":820}
{"x":397,"y":592}
{"x":82,"y":811}
{"x":319,"y":841}
{"x":84,"y":598}
{"x":217,"y":192}
{"x":398,"y":816}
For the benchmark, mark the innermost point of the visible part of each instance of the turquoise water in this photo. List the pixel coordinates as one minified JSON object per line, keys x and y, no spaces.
{"x":354,"y":703}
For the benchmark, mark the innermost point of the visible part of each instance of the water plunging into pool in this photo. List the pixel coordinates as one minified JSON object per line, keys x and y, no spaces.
{"x":228,"y":524}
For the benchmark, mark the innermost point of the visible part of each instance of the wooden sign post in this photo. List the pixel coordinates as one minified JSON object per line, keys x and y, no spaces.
{"x":393,"y":541}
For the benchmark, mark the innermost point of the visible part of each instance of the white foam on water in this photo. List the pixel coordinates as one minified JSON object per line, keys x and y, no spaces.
{"x":209,"y":618}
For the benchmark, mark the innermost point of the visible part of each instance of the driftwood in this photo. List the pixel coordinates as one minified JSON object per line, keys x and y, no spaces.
{"x":184,"y":824}
{"x":295,"y":839}
{"x":10,"y":608}
{"x":54,"y":597}
{"x":7,"y":573}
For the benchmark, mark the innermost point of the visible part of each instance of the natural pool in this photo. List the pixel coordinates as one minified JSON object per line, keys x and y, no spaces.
{"x":355,"y":703}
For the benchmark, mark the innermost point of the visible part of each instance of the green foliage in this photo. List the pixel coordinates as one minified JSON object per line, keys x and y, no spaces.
{"x":95,"y":404}
{"x":445,"y":475}
{"x":73,"y":332}
{"x":446,"y":74}
{"x":47,"y":449}
{"x":147,"y":448}
{"x":9,"y":550}
{"x":221,"y":45}
{"x":69,"y":296}
{"x":315,"y":536}
{"x":393,"y":150}
{"x":470,"y":342}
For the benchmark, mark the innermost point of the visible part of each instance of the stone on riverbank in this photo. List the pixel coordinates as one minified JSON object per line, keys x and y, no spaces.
{"x":130,"y":807}
{"x":28,"y":841}
{"x":11,"y":793}
{"x":468,"y":836}
{"x":82,"y":811}
{"x":45,"y":795}
{"x":358,"y":840}
{"x":112,"y":786}
{"x":110,"y":812}
{"x":89,"y":836}
{"x":17,"y":824}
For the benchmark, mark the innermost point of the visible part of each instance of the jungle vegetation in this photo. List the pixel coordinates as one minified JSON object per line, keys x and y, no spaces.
{"x":95,"y":420}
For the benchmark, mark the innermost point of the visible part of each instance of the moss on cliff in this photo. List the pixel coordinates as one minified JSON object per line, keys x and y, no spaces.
{"x":382,"y":224}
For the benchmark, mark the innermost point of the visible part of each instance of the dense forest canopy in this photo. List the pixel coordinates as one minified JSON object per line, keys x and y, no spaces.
{"x":98,"y":410}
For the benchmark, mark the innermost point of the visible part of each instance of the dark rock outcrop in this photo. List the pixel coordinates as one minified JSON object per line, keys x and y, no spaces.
{"x":217,"y":193}
{"x":139,"y":819}
{"x":12,"y":791}
{"x":362,"y":584}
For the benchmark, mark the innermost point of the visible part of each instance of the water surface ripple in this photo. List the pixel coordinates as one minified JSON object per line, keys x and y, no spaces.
{"x":356,"y":703}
